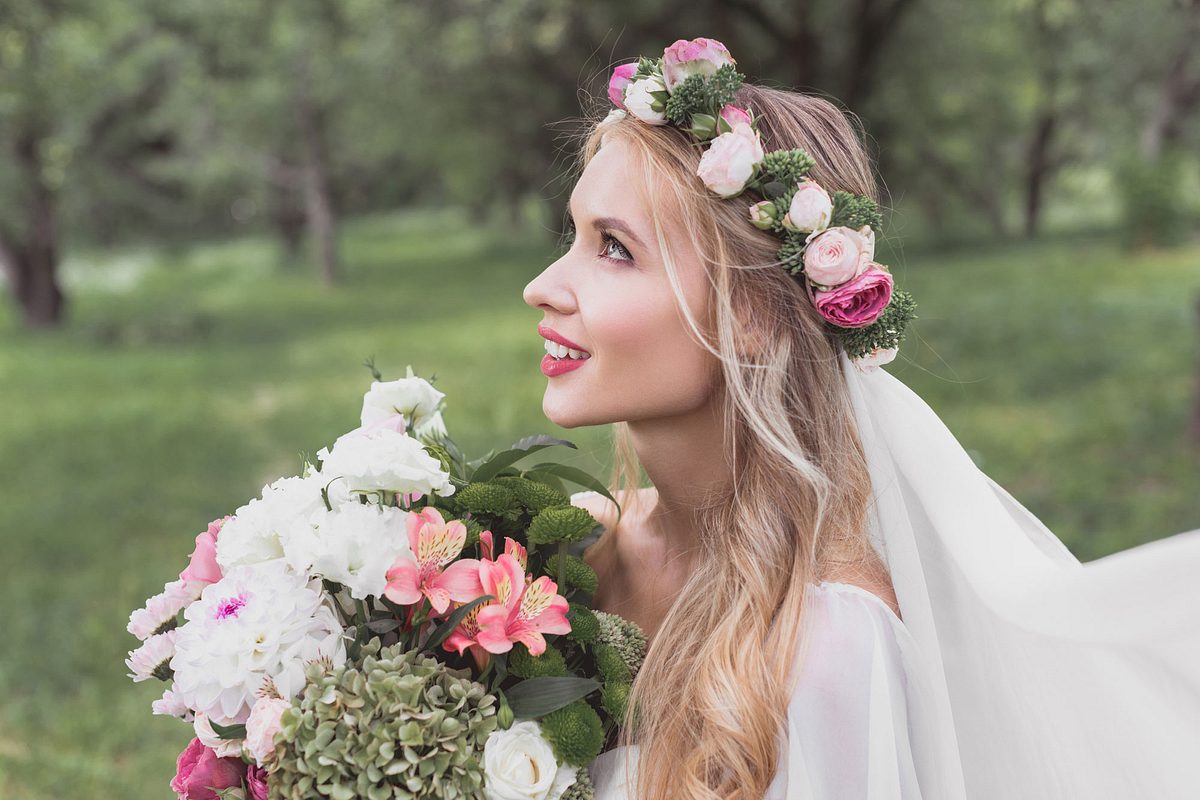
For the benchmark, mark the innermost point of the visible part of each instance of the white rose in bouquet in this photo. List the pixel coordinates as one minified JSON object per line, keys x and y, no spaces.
{"x":413,"y":397}
{"x":259,"y":623}
{"x":519,"y":764}
{"x":384,"y":460}
{"x":354,"y":545}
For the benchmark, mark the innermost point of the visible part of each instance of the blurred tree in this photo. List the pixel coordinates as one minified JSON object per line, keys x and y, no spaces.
{"x":81,"y":85}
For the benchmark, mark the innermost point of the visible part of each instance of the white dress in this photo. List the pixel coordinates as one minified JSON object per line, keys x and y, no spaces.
{"x":856,"y":698}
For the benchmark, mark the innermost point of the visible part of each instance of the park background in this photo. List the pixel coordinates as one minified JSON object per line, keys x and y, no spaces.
{"x":212,"y":211}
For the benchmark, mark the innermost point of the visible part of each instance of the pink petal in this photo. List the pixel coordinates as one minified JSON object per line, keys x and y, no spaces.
{"x":403,"y":582}
{"x":461,"y":580}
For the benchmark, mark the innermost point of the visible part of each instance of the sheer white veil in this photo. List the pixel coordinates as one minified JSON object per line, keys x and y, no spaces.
{"x":1046,"y":677}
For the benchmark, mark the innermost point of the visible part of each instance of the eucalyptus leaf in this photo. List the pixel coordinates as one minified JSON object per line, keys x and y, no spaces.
{"x":537,"y":697}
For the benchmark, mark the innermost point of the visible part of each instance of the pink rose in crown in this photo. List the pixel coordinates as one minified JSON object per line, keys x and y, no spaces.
{"x":202,"y":569}
{"x":200,"y":774}
{"x":698,"y":57}
{"x":858,"y":303}
{"x":733,"y":115}
{"x":837,"y":255}
{"x":621,"y":77}
{"x":731,"y":160}
{"x":811,"y":208}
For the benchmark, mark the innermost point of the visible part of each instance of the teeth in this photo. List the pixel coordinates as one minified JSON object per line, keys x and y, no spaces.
{"x":562,"y":351}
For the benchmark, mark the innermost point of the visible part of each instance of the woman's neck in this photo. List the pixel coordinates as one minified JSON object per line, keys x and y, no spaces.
{"x":686,"y":460}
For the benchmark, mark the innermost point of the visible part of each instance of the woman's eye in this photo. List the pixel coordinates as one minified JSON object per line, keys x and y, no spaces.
{"x":613,"y":249}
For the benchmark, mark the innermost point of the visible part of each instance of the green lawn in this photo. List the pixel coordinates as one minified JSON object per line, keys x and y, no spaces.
{"x":185,"y":381}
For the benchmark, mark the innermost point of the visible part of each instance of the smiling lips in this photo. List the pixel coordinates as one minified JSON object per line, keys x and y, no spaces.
{"x":562,"y":355}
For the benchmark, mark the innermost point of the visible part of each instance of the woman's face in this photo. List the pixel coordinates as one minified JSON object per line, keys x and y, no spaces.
{"x":610,"y":296}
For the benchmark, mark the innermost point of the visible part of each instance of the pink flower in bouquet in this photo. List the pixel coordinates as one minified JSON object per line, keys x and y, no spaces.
{"x":256,"y":782}
{"x":203,"y":569}
{"x":621,"y":76}
{"x":523,"y":610}
{"x":434,"y":544}
{"x":858,"y":303}
{"x":700,"y":56}
{"x":262,"y":725}
{"x":200,"y":774}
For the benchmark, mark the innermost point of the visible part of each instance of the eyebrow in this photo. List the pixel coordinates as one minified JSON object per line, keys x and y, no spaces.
{"x":612,"y":223}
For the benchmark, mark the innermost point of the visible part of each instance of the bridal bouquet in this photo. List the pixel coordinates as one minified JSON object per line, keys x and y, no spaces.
{"x":359,"y":630}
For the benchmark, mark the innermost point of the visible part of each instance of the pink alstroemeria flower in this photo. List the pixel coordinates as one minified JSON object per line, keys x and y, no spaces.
{"x":524,"y":609}
{"x":435,"y":543}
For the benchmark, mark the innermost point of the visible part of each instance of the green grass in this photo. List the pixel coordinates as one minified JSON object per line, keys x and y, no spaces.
{"x":183,"y":382}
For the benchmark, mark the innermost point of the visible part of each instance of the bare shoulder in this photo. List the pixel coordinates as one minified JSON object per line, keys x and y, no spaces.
{"x":605,"y":513}
{"x":875,"y":582}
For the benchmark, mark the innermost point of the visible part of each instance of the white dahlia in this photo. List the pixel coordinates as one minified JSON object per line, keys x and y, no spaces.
{"x":260,"y":622}
{"x":413,"y":397}
{"x":153,"y":658}
{"x":354,"y":545}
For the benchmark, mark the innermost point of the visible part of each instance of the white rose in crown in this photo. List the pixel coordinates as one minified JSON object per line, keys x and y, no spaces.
{"x":811,"y":208}
{"x":519,"y":764}
{"x":731,"y":160}
{"x":641,"y":102}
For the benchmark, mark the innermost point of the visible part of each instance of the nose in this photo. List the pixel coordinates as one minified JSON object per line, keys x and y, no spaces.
{"x":547,"y":290}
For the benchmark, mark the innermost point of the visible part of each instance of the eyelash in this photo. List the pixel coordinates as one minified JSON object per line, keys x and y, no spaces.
{"x":608,"y":240}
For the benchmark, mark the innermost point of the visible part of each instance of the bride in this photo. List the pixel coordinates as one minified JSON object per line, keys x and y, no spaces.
{"x":839,"y":604}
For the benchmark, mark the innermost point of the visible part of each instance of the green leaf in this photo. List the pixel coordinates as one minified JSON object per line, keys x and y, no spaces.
{"x":383,"y":625}
{"x":537,"y":697}
{"x":542,"y":476}
{"x":492,"y":467}
{"x":574,"y":475}
{"x":441,"y":632}
{"x":228,"y":731}
{"x":541,"y":438}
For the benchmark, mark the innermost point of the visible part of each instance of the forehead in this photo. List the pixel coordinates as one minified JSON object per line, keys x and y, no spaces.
{"x":611,"y":183}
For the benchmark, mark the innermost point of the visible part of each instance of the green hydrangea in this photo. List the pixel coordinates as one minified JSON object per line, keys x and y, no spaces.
{"x":579,"y":575}
{"x":584,"y":625}
{"x":575,"y":733}
{"x":623,"y":635}
{"x":531,"y":494}
{"x":488,"y":498}
{"x":400,"y":725}
{"x":582,"y":788}
{"x":564,"y":523}
{"x":550,"y":664}
{"x":787,"y":166}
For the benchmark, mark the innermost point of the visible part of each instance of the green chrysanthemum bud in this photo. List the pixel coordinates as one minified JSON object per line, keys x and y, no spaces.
{"x":612,"y":665}
{"x":565,"y":523}
{"x":614,"y":698}
{"x":582,"y":788}
{"x":584,"y":625}
{"x":533,"y":495}
{"x":486,"y":498}
{"x":575,"y":733}
{"x":550,"y":664}
{"x":580,"y":574}
{"x":400,"y":723}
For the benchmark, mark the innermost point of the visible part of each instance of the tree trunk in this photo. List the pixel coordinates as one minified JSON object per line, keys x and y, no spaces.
{"x":30,"y":258}
{"x":1180,"y":92}
{"x":318,"y":202}
{"x":1038,"y":168}
{"x":286,"y":212}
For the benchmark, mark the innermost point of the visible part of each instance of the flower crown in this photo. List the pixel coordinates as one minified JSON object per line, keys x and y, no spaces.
{"x":828,"y":241}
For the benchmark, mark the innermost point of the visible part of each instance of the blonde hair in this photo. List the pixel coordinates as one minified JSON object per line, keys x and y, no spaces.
{"x":709,"y":704}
